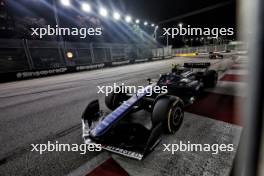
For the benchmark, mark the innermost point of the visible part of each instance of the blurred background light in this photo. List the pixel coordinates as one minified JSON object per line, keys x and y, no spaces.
{"x":103,"y":12}
{"x":86,"y":7}
{"x":65,"y":2}
{"x":116,"y":16}
{"x":128,"y":19}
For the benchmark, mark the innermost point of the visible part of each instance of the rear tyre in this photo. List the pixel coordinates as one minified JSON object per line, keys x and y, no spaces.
{"x":210,"y":79}
{"x":169,"y":111}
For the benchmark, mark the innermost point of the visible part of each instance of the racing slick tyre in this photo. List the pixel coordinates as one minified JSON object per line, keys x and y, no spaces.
{"x":210,"y":79}
{"x":169,"y":111}
{"x":113,"y":100}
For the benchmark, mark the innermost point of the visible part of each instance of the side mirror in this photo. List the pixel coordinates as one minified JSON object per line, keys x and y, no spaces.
{"x":149,"y":80}
{"x":91,"y":112}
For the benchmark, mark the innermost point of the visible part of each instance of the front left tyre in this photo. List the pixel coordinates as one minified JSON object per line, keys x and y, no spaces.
{"x":169,"y":111}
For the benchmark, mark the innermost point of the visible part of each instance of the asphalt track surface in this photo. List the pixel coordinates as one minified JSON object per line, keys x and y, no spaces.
{"x":49,"y":109}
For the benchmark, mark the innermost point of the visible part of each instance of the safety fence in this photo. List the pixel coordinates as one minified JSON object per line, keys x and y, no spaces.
{"x":33,"y":58}
{"x":32,"y":55}
{"x":211,"y":48}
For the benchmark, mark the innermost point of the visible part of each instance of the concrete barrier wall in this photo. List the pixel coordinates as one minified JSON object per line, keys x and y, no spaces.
{"x":25,"y":57}
{"x":29,"y":56}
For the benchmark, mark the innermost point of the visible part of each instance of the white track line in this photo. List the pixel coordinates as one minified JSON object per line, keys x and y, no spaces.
{"x":237,"y":72}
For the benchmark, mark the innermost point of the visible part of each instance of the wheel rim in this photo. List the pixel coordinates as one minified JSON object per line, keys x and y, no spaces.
{"x":177,"y":116}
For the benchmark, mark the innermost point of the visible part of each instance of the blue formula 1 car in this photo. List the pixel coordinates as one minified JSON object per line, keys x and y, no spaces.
{"x":189,"y":81}
{"x":137,"y":121}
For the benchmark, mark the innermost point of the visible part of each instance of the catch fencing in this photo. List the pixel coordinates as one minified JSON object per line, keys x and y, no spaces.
{"x":204,"y":49}
{"x":31,"y":55}
{"x":31,"y":58}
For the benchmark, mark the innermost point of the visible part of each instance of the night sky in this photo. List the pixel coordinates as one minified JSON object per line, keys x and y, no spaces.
{"x":150,"y":10}
{"x":159,"y":10}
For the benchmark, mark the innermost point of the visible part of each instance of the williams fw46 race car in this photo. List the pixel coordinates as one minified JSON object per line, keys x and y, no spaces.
{"x":137,"y":121}
{"x":189,"y":81}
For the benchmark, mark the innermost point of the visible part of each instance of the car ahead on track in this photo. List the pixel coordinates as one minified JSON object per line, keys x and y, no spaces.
{"x":188,"y":81}
{"x":214,"y":55}
{"x":126,"y":130}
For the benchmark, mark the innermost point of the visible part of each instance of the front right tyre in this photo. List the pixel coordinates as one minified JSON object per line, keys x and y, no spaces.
{"x":113,"y":100}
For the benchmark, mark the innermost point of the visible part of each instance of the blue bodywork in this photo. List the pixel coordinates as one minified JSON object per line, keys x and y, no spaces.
{"x":117,"y":114}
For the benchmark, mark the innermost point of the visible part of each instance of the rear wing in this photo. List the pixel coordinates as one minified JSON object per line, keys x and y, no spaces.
{"x":197,"y":65}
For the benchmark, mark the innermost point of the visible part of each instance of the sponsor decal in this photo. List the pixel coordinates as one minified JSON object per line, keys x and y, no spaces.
{"x":89,"y":67}
{"x":40,"y":73}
